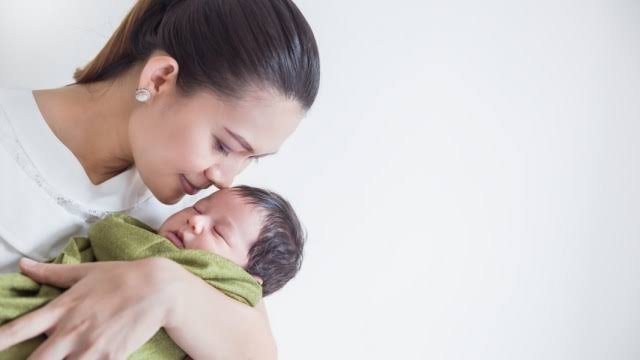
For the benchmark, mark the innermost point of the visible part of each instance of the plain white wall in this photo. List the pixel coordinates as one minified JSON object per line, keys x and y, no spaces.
{"x":468,"y":176}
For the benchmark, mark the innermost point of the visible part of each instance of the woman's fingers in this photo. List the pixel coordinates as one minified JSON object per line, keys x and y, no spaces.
{"x":55,"y":347}
{"x":27,"y":326}
{"x":59,"y":275}
{"x":132,"y":299}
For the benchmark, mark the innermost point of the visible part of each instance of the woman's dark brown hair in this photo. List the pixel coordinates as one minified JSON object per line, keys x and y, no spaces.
{"x":222,"y":45}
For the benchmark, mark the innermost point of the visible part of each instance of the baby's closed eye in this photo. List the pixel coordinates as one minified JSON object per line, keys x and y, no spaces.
{"x":218,"y":234}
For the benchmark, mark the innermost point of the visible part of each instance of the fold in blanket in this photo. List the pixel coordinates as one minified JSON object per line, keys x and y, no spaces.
{"x":120,"y":237}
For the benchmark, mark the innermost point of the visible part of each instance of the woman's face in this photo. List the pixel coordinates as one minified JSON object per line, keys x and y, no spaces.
{"x":181,"y":145}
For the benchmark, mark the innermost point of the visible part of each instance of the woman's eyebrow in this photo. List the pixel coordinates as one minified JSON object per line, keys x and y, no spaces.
{"x":241,"y":140}
{"x":245,"y":144}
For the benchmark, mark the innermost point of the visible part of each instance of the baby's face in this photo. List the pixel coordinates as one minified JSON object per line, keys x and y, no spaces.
{"x":222,"y":223}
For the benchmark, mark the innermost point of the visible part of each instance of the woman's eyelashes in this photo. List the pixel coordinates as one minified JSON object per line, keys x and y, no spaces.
{"x":226,"y":150}
{"x":221,"y":147}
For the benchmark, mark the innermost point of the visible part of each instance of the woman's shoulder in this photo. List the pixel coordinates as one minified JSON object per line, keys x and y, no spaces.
{"x":45,"y":198}
{"x":3,"y":114}
{"x":33,"y":223}
{"x":26,"y":136}
{"x":14,"y":91}
{"x":13,"y":97}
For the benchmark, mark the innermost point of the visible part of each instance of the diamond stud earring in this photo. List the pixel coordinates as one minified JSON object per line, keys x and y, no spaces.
{"x":143,"y":95}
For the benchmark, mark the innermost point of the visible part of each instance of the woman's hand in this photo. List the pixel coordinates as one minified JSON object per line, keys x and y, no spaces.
{"x":110,"y":310}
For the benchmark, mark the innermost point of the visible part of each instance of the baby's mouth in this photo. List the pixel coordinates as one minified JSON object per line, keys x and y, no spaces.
{"x":176,"y":238}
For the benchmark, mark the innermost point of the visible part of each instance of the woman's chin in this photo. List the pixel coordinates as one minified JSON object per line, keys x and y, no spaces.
{"x":169,"y":199}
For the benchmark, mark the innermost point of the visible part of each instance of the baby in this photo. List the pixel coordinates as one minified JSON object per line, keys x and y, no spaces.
{"x":254,"y":228}
{"x":245,"y":241}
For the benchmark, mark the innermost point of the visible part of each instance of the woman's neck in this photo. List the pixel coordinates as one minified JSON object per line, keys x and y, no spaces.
{"x":92,"y":121}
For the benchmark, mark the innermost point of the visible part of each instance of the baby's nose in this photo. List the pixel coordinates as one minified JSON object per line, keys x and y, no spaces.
{"x":196,"y":223}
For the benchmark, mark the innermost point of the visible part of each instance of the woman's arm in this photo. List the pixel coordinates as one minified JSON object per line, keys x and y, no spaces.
{"x":112,"y":308}
{"x":206,"y":323}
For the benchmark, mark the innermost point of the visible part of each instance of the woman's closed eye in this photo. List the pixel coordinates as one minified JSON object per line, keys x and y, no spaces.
{"x":221,"y":147}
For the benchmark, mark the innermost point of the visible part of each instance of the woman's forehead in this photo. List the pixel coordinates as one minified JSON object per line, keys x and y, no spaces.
{"x":262,"y":121}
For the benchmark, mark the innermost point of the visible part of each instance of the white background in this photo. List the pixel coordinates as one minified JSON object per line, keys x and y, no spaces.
{"x":469,"y":176}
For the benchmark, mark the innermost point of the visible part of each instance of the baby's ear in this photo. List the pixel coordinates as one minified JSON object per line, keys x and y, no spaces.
{"x":258,"y":279}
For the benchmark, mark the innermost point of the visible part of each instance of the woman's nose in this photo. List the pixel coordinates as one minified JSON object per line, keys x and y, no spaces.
{"x":222,"y":176}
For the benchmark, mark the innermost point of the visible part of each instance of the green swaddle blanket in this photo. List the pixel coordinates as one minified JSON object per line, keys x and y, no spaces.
{"x":120,"y":237}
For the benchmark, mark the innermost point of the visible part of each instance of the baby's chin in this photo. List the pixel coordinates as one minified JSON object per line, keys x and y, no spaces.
{"x":162,"y":231}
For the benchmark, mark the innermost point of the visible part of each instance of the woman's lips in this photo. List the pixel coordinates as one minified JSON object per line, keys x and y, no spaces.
{"x":176,"y":239}
{"x":188,"y":187}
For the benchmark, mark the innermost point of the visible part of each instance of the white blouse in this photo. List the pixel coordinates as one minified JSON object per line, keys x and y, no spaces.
{"x":45,"y":194}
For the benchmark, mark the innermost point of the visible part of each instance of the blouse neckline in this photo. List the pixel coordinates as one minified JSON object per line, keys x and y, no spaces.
{"x":65,"y":177}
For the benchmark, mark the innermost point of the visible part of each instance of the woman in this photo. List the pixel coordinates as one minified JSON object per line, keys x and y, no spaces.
{"x":183,"y":96}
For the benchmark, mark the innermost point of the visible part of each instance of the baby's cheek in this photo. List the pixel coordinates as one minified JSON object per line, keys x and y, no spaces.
{"x":161,"y":229}
{"x":206,"y":245}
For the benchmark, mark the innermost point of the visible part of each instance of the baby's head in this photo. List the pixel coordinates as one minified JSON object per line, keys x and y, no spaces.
{"x":256,"y":229}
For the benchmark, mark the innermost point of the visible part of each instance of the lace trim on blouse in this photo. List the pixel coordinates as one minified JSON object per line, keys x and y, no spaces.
{"x":12,"y":144}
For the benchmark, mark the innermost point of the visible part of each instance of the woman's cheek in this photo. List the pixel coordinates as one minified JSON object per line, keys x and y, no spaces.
{"x":193,"y":155}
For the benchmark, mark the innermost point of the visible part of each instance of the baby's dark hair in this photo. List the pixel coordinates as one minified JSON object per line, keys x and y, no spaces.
{"x":276,"y":256}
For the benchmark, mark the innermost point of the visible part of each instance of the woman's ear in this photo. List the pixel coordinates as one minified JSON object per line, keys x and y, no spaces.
{"x":160,"y":73}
